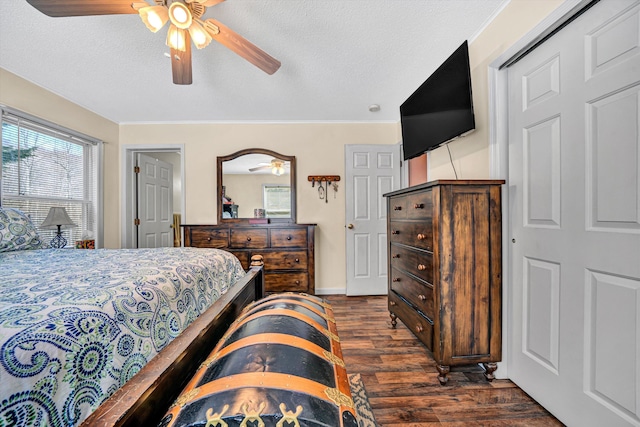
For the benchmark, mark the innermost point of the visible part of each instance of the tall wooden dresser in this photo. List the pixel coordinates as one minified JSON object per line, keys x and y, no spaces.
{"x":445,"y":269}
{"x":287,"y":249}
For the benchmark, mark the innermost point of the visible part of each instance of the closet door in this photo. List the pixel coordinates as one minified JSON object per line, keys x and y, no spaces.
{"x":574,"y":172}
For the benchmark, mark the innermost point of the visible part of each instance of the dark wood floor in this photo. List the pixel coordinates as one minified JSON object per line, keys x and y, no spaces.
{"x":400,"y":377}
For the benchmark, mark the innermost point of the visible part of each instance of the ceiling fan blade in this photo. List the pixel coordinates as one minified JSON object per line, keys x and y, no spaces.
{"x":259,"y":168}
{"x":59,"y":8}
{"x":205,"y":3}
{"x":210,"y":3}
{"x":181,"y":63}
{"x":243,"y":47}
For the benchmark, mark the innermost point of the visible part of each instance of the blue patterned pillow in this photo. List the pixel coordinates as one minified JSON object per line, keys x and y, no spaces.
{"x":17,"y":232}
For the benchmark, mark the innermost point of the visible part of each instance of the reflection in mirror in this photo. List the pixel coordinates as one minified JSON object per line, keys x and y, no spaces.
{"x":256,"y":183}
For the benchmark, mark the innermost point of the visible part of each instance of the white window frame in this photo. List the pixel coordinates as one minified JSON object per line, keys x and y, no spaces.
{"x":264,"y":200}
{"x":8,"y":114}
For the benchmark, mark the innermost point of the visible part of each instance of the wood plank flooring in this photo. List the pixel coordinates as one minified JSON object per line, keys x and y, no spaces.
{"x":401,"y":378}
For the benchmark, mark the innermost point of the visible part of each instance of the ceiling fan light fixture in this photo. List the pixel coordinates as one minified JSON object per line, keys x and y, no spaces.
{"x":277,"y":167}
{"x":176,"y":38}
{"x":154,"y":17}
{"x":180,"y":15}
{"x":200,"y":37}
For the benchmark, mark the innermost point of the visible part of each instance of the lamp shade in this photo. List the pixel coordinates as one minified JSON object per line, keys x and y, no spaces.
{"x":176,"y":38}
{"x":154,"y":17}
{"x":180,"y":15}
{"x":57,"y":216}
{"x":200,"y":37}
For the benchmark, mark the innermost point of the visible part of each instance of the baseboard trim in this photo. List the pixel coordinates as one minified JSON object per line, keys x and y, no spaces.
{"x":331,"y":291}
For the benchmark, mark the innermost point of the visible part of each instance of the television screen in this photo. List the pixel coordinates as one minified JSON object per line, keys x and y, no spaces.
{"x":441,"y":108}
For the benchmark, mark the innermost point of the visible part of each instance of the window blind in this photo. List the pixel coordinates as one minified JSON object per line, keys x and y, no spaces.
{"x":45,"y":165}
{"x":276,"y":201}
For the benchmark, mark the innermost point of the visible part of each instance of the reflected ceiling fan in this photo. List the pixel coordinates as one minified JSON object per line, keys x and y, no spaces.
{"x":276,"y":165}
{"x":185,"y":25}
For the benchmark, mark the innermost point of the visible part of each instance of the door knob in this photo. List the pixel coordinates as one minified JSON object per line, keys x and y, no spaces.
{"x":350,"y":226}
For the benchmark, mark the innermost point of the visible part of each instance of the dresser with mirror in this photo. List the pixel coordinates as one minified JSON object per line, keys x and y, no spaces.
{"x":256,"y":194}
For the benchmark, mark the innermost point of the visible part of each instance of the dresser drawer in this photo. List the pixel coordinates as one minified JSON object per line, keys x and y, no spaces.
{"x":412,"y":206}
{"x":281,"y":282}
{"x":418,"y":234}
{"x":209,"y":238}
{"x":419,"y":205}
{"x":398,"y":207}
{"x":249,"y":238}
{"x":418,"y":263}
{"x":417,"y":293}
{"x":284,"y":260}
{"x":414,"y":321}
{"x":243,"y":256}
{"x":289,"y":237}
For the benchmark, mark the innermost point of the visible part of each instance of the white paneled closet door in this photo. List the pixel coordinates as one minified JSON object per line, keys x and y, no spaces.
{"x":574,"y":172}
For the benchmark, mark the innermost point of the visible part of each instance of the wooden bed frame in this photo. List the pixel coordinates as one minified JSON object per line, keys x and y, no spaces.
{"x":145,"y":398}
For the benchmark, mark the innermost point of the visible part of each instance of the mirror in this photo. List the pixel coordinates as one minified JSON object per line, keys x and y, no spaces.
{"x":256,"y":183}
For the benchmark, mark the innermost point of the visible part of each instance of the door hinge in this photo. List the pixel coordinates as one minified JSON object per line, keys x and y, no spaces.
{"x":136,"y":169}
{"x":136,"y":221}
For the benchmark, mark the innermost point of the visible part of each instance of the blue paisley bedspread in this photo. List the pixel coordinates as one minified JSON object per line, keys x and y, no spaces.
{"x":75,"y":325}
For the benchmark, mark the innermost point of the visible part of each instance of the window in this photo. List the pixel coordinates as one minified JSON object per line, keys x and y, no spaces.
{"x":276,"y":201}
{"x":44,"y":165}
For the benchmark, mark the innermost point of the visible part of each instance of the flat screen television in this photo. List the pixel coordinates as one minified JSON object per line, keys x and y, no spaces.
{"x":441,"y":108}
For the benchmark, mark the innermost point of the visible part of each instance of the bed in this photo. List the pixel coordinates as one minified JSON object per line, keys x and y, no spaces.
{"x":107,"y":337}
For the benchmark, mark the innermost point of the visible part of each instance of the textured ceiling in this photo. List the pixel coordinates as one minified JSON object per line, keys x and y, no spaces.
{"x":338,"y":57}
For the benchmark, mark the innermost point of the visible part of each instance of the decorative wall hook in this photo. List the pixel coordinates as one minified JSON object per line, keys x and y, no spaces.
{"x":318,"y":178}
{"x":330,"y":180}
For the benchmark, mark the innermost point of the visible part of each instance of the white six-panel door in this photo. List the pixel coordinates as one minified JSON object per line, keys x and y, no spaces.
{"x":155,"y":202}
{"x":371,"y":171}
{"x":574,"y":187}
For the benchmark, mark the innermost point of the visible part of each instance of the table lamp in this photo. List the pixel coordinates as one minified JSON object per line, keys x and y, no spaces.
{"x":58,"y":217}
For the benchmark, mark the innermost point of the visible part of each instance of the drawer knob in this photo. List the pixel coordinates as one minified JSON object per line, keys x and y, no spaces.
{"x":421,"y":236}
{"x":288,"y":237}
{"x":395,"y":256}
{"x":422,"y":267}
{"x":249,"y":239}
{"x":208,"y":239}
{"x":397,"y":208}
{"x":395,"y":231}
{"x":419,"y":328}
{"x":392,"y":303}
{"x":419,"y":206}
{"x":396,"y":279}
{"x":297,"y":259}
{"x":297,"y":282}
{"x":422,"y":297}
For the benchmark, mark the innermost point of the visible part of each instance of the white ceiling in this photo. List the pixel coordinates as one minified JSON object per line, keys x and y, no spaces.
{"x":338,"y":57}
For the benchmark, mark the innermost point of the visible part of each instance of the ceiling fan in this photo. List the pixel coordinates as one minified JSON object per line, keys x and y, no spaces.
{"x":276,"y":165}
{"x":185,"y":25}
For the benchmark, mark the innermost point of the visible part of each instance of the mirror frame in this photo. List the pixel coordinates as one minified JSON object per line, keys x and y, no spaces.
{"x":292,"y":184}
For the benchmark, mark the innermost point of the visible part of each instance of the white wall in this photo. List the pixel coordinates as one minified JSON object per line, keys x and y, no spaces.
{"x":319,"y":150}
{"x":22,"y":95}
{"x":471,"y":153}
